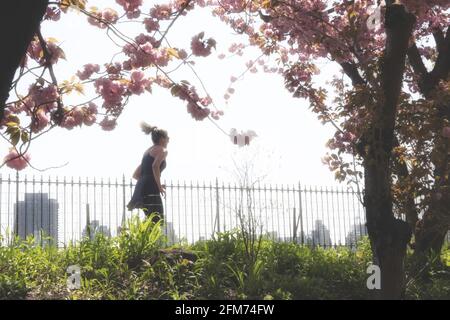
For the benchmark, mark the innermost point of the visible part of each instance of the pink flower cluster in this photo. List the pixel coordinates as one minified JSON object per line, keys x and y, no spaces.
{"x":200,"y":47}
{"x":237,"y":48}
{"x":108,"y":123}
{"x":186,"y":92}
{"x":40,"y":120}
{"x":18,"y":163}
{"x":73,"y":118}
{"x":90,"y":111}
{"x":131,"y":7}
{"x":112,"y":92}
{"x":216,"y":114}
{"x":163,"y":81}
{"x":206,"y":101}
{"x":113,"y":69}
{"x":161,"y":12}
{"x":36,"y":53}
{"x":196,"y":112}
{"x":102,"y":18}
{"x":138,"y":83}
{"x":151,"y":25}
{"x":145,"y":54}
{"x":38,"y":97}
{"x":88,"y":70}
{"x":78,"y":116}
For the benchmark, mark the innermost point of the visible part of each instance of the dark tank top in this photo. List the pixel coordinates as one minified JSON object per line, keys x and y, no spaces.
{"x":146,"y":166}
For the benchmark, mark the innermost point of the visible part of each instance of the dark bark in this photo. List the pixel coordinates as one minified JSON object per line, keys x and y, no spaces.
{"x":19,"y":20}
{"x":431,"y":230}
{"x":429,"y":80}
{"x":388,"y":235}
{"x":407,"y":205}
{"x":352,"y":72}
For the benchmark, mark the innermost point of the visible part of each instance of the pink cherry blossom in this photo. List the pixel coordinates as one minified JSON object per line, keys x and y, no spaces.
{"x":112,"y":92}
{"x":161,"y":12}
{"x":200,"y":47}
{"x":196,"y":112}
{"x":110,"y":15}
{"x":151,"y":25}
{"x":78,"y":115}
{"x":89,"y":119}
{"x":92,"y":108}
{"x":206,"y":101}
{"x":216,"y":114}
{"x":113,"y":68}
{"x":108,"y":124}
{"x":138,"y":83}
{"x":36,"y":52}
{"x":14,"y":162}
{"x":88,"y":70}
{"x":40,"y":121}
{"x":130,"y":6}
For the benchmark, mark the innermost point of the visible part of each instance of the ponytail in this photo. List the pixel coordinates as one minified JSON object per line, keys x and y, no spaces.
{"x":146,"y":127}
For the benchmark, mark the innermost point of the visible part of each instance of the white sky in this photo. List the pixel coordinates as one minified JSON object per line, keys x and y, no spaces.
{"x":290,"y":142}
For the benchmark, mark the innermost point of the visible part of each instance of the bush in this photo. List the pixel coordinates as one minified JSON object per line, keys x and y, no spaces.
{"x":134,"y":265}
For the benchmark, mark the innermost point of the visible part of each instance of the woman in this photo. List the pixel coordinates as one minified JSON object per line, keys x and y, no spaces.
{"x":146,"y":194}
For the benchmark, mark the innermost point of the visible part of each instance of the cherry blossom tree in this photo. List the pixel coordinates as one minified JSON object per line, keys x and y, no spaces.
{"x":146,"y":59}
{"x":390,"y":108}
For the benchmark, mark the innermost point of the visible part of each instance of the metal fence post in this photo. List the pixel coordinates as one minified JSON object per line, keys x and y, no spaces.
{"x":16,"y":224}
{"x":217,"y":206}
{"x":300,"y":213}
{"x":88,"y":223}
{"x":294,"y":231}
{"x":123,"y":193}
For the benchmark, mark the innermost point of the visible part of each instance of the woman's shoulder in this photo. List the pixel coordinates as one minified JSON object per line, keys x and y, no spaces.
{"x":155,"y":150}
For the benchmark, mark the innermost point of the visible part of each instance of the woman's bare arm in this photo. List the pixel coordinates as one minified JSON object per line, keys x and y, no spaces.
{"x":160,"y":156}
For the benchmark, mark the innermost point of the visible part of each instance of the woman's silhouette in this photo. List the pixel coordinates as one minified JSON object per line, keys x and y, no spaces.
{"x":146,"y":194}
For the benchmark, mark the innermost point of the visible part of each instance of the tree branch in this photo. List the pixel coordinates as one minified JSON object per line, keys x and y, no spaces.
{"x":352,"y":72}
{"x":416,"y":61}
{"x":429,"y":80}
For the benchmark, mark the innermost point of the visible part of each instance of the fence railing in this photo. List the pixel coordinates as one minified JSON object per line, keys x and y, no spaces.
{"x":64,"y":208}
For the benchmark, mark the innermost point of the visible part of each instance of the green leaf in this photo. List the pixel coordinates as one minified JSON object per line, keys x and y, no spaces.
{"x":25,"y":137}
{"x":15,"y":137}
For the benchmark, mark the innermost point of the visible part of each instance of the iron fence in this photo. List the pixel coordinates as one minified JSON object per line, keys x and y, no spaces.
{"x":69,"y":208}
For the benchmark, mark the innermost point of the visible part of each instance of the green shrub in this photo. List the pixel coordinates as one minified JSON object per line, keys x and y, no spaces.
{"x":134,"y":265}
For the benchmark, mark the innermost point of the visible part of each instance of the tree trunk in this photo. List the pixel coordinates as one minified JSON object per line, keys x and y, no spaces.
{"x":19,"y":20}
{"x":389,"y":236}
{"x":430,"y":231}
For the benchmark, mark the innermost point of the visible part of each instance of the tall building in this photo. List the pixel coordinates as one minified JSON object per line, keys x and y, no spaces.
{"x":357,"y":232}
{"x":37,"y":215}
{"x":320,"y":235}
{"x":93,"y":227}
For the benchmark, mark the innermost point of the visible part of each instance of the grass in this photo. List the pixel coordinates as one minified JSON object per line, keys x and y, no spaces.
{"x":134,"y":265}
